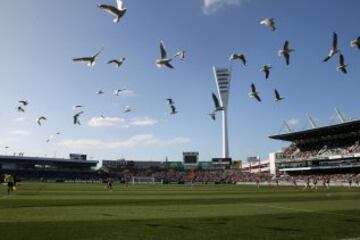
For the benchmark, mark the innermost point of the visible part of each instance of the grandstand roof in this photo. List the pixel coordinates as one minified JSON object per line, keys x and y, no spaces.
{"x":347,"y":129}
{"x":46,"y":160}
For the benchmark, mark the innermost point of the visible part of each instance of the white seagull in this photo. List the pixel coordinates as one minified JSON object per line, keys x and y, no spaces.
{"x":180,"y":55}
{"x":127,"y":109}
{"x":24,"y":102}
{"x":266,"y":69}
{"x":78,"y":106}
{"x":20,"y":109}
{"x":90,"y":61}
{"x":213,"y":115}
{"x":118,"y":11}
{"x":269,"y":22}
{"x":39,"y":119}
{"x":236,"y":56}
{"x":277,"y":96}
{"x":334,"y":50}
{"x":99,"y":92}
{"x":355,"y":43}
{"x":254,"y":93}
{"x":170,"y":101}
{"x":117,"y":63}
{"x":217,"y":103}
{"x":164,"y":60}
{"x":342,"y":66}
{"x":118,"y":91}
{"x":76,"y":117}
{"x":285,"y":51}
{"x":173,"y":110}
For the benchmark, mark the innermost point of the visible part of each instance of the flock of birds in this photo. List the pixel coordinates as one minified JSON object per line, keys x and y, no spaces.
{"x":118,"y":11}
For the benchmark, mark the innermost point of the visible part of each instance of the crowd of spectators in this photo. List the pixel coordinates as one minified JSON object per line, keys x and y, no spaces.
{"x":306,"y":151}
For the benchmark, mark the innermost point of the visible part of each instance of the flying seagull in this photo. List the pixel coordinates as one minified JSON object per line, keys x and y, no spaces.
{"x":285,"y":51}
{"x":117,"y":63}
{"x":78,"y":106}
{"x":269,"y":22}
{"x":127,"y":109}
{"x":39,"y":119}
{"x":24,"y":102}
{"x":217,"y":103}
{"x":236,"y":56}
{"x":266,"y":69}
{"x":170,"y":101}
{"x":213,"y":115}
{"x":173,"y":110}
{"x":334,"y":50}
{"x":277,"y":96}
{"x":254,"y":93}
{"x":118,"y":11}
{"x":164,"y":60}
{"x":342,"y":66}
{"x":20,"y":109}
{"x":90,"y":61}
{"x":118,"y":91}
{"x":99,"y":92}
{"x":76,"y":117}
{"x":355,"y":43}
{"x":58,"y":133}
{"x":180,"y":55}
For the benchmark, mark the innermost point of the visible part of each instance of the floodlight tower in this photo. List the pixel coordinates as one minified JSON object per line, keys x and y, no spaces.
{"x":222,"y":80}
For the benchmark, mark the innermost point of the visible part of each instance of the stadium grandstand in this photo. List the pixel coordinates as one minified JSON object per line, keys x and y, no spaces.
{"x":331,"y":149}
{"x":75,"y":168}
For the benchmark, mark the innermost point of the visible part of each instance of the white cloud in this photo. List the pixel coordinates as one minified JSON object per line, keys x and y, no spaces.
{"x":22,"y":133}
{"x":211,"y":6}
{"x":293,"y":121}
{"x":143,"y":121}
{"x":137,"y":140}
{"x":105,"y":122}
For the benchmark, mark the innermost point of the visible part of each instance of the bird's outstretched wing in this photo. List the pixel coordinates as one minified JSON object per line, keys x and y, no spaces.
{"x":334,"y":45}
{"x":216,"y":101}
{"x":163,"y":50}
{"x":168,"y":65}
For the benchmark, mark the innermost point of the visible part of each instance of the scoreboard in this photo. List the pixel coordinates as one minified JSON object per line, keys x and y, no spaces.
{"x":190,"y":158}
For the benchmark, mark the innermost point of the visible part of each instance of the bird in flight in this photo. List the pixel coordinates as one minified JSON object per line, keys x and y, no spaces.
{"x":342,"y":66}
{"x":118,"y":91}
{"x":164,"y":60}
{"x":40,"y":119}
{"x":254,"y":93}
{"x":277,"y":96}
{"x":213,"y":115}
{"x":20,"y":109}
{"x":236,"y":56}
{"x":269,"y":22}
{"x":180,"y":55}
{"x":334,"y":50}
{"x":285,"y":51}
{"x":117,"y":63}
{"x":90,"y":61}
{"x":355,"y":43}
{"x":127,"y":109}
{"x":78,"y":106}
{"x":24,"y":102}
{"x":170,"y":101}
{"x":266,"y":69}
{"x":76,"y":118}
{"x":118,"y":11}
{"x":99,"y":92}
{"x":173,"y":110}
{"x":217,"y":105}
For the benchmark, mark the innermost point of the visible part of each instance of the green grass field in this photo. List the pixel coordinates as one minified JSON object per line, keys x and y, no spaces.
{"x":86,"y":211}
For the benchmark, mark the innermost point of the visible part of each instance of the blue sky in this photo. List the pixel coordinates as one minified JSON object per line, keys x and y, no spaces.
{"x":40,"y":37}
